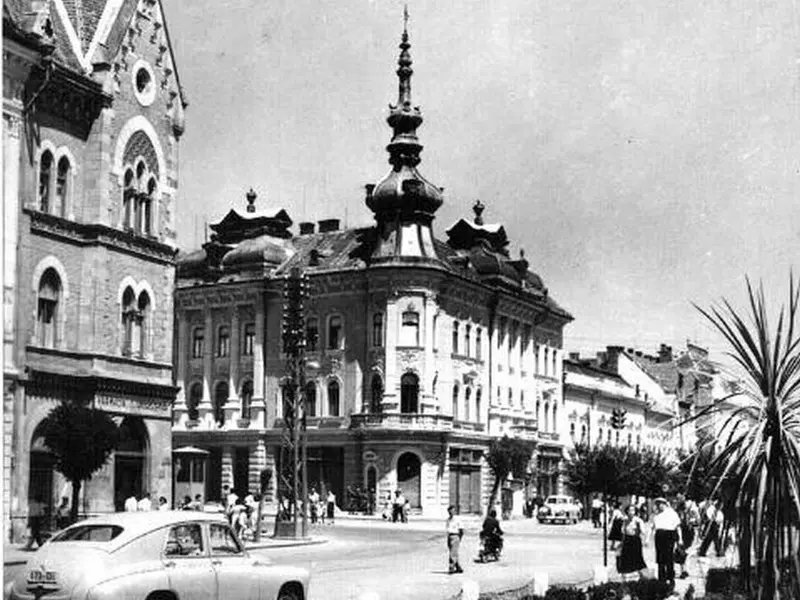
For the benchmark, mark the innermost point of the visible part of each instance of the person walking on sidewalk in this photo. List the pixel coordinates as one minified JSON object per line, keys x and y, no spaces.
{"x":617,"y":521}
{"x":666,"y":524}
{"x":455,"y":531}
{"x":631,"y":559}
{"x":713,"y":531}
{"x":36,"y":510}
{"x":597,"y":509}
{"x":331,"y":502}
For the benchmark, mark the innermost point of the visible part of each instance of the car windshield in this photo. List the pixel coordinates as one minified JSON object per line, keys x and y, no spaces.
{"x":88,"y":533}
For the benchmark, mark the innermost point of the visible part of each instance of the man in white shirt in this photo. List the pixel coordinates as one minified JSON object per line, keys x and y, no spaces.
{"x":145,"y":504}
{"x":131,"y":504}
{"x":666,"y":524}
{"x":455,"y":531}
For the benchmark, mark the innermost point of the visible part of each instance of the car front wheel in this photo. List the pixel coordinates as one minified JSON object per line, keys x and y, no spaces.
{"x":290,"y":592}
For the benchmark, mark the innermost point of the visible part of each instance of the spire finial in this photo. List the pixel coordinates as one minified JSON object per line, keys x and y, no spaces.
{"x":478,"y":207}
{"x":251,"y":200}
{"x":405,"y":18}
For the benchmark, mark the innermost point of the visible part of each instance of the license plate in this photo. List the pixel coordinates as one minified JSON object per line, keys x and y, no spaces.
{"x":43,"y":578}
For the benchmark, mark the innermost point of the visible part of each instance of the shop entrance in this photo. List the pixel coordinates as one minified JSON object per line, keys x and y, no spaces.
{"x":129,"y":461}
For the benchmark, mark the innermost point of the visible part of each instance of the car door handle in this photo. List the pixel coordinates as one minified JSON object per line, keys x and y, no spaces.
{"x":169,"y":563}
{"x":216,"y":561}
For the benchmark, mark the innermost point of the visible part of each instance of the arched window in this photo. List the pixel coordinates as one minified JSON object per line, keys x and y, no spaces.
{"x":312,"y":334}
{"x":45,"y":176}
{"x":220,"y":399}
{"x":522,"y":398}
{"x":616,"y":438}
{"x":478,"y":414}
{"x":246,"y":397}
{"x":128,"y":199}
{"x":478,"y":344}
{"x":142,"y":322}
{"x":223,"y":341}
{"x":467,"y":398}
{"x":545,"y":371}
{"x":62,"y":187}
{"x":510,"y":397}
{"x":377,"y":330}
{"x":555,"y":417}
{"x":455,"y":337}
{"x":455,"y":402}
{"x":47,"y":311}
{"x":248,"y":339}
{"x":376,"y":396}
{"x":434,"y":336}
{"x":128,"y":321}
{"x":335,"y":332}
{"x":545,"y":417}
{"x":198,"y":342}
{"x":638,"y":440}
{"x":630,"y":439}
{"x":409,"y":334}
{"x":333,"y":399}
{"x":147,"y":207}
{"x":538,"y":414}
{"x":195,"y":397}
{"x":608,"y":437}
{"x":467,"y":333}
{"x":583,"y":433}
{"x":600,"y":436}
{"x":311,"y":399}
{"x":572,"y":431}
{"x":409,"y":393}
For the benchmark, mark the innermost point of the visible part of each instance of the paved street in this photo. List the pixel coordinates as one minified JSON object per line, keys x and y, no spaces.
{"x":401,"y":561}
{"x":398,"y":561}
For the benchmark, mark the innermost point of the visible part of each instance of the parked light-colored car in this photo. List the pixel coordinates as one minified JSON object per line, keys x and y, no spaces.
{"x":559,"y":509}
{"x":170,"y":555}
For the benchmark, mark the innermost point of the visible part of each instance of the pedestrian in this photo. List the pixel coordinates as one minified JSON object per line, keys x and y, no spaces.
{"x":144,"y":504}
{"x":666,"y":524}
{"x":186,"y":503}
{"x":331,"y":505}
{"x":690,"y":519}
{"x":197,"y":504}
{"x":36,"y":510}
{"x":631,"y":559}
{"x":62,"y":513}
{"x":131,"y":503}
{"x":230,"y":501}
{"x":597,"y":508}
{"x":617,"y":521}
{"x":162,"y":504}
{"x":713,"y":530}
{"x":313,"y":504}
{"x":455,"y":531}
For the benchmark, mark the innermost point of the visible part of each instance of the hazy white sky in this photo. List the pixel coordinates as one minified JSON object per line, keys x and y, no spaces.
{"x":644,"y":153}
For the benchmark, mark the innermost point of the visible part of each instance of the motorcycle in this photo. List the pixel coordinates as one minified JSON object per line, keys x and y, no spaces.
{"x":491,"y":548}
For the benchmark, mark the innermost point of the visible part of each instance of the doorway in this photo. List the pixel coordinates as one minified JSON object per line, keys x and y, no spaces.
{"x":129,"y":461}
{"x":408,"y":478}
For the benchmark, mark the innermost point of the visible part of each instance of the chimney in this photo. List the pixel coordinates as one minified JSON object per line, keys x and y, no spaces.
{"x":575,"y":356}
{"x":612,"y":358}
{"x":327,"y":225}
{"x":306,"y":227}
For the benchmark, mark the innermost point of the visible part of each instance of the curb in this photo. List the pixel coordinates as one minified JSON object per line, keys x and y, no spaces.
{"x":287,"y":543}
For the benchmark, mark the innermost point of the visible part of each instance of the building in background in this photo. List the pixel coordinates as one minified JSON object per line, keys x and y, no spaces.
{"x":93,"y":113}
{"x":420,"y":350}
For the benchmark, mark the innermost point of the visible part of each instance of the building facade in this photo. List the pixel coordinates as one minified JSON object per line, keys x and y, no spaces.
{"x":420,"y":350}
{"x":94,"y":175}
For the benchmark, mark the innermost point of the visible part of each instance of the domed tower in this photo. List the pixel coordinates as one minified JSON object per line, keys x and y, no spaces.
{"x":404,"y":202}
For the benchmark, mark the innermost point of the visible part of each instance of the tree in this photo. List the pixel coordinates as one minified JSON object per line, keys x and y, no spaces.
{"x":757,"y":454}
{"x":507,"y":456}
{"x":81,"y":440}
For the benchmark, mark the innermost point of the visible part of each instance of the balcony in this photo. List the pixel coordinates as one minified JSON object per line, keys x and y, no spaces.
{"x":469,"y":426}
{"x":403,"y":421}
{"x":548,"y":436}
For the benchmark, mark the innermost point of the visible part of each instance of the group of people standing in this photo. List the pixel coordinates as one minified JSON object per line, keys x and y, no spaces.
{"x":320,"y":509}
{"x":674,"y":531}
{"x":144,"y":503}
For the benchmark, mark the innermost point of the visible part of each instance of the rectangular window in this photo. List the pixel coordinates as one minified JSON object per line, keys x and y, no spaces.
{"x":223,"y":342}
{"x":478,"y":343}
{"x":455,"y":337}
{"x":377,"y":330}
{"x":410,"y":330}
{"x":334,"y":332}
{"x":249,"y":339}
{"x":312,"y":334}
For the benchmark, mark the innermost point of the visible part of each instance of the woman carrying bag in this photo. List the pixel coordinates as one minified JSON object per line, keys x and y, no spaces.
{"x":631,"y":558}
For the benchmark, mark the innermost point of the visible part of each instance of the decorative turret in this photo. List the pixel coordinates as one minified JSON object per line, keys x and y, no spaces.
{"x":404,"y":202}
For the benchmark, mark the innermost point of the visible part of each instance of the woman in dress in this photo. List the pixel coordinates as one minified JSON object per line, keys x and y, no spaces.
{"x":617,"y":519}
{"x":630,"y":559}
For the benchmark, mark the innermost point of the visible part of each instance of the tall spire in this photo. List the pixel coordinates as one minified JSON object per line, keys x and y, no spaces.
{"x":404,"y":149}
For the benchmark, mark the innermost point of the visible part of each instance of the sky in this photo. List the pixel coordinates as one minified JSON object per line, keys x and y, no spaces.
{"x":644,"y":154}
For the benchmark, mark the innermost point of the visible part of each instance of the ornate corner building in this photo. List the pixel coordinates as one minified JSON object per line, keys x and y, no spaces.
{"x":420,"y":350}
{"x":92,"y":112}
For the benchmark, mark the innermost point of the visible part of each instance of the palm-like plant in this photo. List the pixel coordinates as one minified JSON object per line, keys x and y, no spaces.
{"x":757,"y":457}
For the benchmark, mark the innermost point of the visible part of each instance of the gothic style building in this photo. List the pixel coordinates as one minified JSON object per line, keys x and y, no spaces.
{"x":92,"y":115}
{"x":421,"y":349}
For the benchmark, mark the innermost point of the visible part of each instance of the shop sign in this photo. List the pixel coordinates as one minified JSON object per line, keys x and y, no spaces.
{"x":136,"y":405}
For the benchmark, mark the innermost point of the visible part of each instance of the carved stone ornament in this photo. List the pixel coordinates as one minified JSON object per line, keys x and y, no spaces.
{"x":410,"y":360}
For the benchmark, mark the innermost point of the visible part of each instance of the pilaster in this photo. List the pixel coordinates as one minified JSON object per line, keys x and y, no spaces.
{"x":233,"y":405}
{"x":390,"y":396}
{"x":258,"y":408}
{"x":206,"y":409}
